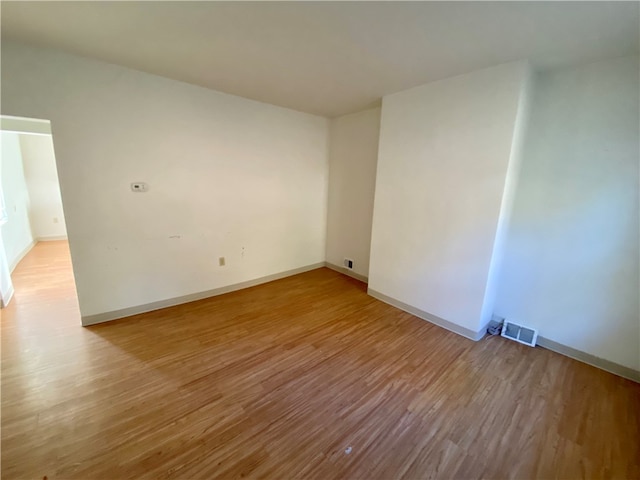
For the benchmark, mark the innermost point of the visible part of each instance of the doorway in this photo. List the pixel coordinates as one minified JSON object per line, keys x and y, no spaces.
{"x":35,"y":265}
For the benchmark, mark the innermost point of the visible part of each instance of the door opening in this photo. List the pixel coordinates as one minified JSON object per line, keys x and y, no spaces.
{"x":35,"y":265}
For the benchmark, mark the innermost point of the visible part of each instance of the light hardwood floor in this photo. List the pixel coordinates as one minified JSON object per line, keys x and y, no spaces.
{"x":277,"y":381}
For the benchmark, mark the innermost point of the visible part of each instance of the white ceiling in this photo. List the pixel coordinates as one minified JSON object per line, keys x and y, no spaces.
{"x":327,"y":58}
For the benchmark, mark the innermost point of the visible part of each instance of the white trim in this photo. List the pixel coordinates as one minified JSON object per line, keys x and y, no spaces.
{"x":51,"y":238}
{"x":347,"y":272}
{"x":35,"y":126}
{"x":589,"y":359}
{"x":21,"y":255}
{"x":6,"y":298}
{"x":601,"y":363}
{"x":441,"y":322}
{"x":171,"y":302}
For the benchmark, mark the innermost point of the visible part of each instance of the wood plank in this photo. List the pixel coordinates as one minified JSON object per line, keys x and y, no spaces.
{"x":276,"y":381}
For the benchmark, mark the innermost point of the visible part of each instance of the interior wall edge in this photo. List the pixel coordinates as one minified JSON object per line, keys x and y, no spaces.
{"x":94,"y":319}
{"x":509,"y":190}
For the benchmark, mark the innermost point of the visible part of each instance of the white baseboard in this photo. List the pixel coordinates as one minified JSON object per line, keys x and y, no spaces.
{"x":6,"y":297}
{"x":584,"y":357}
{"x":21,"y":255}
{"x":27,"y":249}
{"x":171,"y":302}
{"x":441,"y":322}
{"x":51,"y":238}
{"x":347,"y":272}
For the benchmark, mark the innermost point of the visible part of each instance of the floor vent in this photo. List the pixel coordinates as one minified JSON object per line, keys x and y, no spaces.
{"x":519,"y":333}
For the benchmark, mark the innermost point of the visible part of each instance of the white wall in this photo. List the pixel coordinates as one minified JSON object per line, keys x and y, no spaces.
{"x":16,"y":232}
{"x":353,"y":155}
{"x":45,"y":212}
{"x":443,"y":161}
{"x":571,"y":260}
{"x":227,"y":177}
{"x":521,"y":128}
{"x":6,"y":285}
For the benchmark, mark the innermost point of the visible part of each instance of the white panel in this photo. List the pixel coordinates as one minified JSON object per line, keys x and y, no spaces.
{"x":571,"y":257}
{"x":352,"y":176}
{"x":443,"y":160}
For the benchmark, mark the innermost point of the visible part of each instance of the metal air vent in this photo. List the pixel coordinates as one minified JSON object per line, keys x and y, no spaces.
{"x":520,"y":333}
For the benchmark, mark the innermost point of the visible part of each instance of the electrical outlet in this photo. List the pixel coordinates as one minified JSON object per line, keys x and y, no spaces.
{"x":139,"y":187}
{"x":348,"y":263}
{"x":221,"y":261}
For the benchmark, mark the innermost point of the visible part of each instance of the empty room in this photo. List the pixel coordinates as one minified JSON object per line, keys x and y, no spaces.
{"x":320,"y":240}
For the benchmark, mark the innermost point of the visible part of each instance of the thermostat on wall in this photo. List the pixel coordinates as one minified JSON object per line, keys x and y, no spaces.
{"x":139,"y":187}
